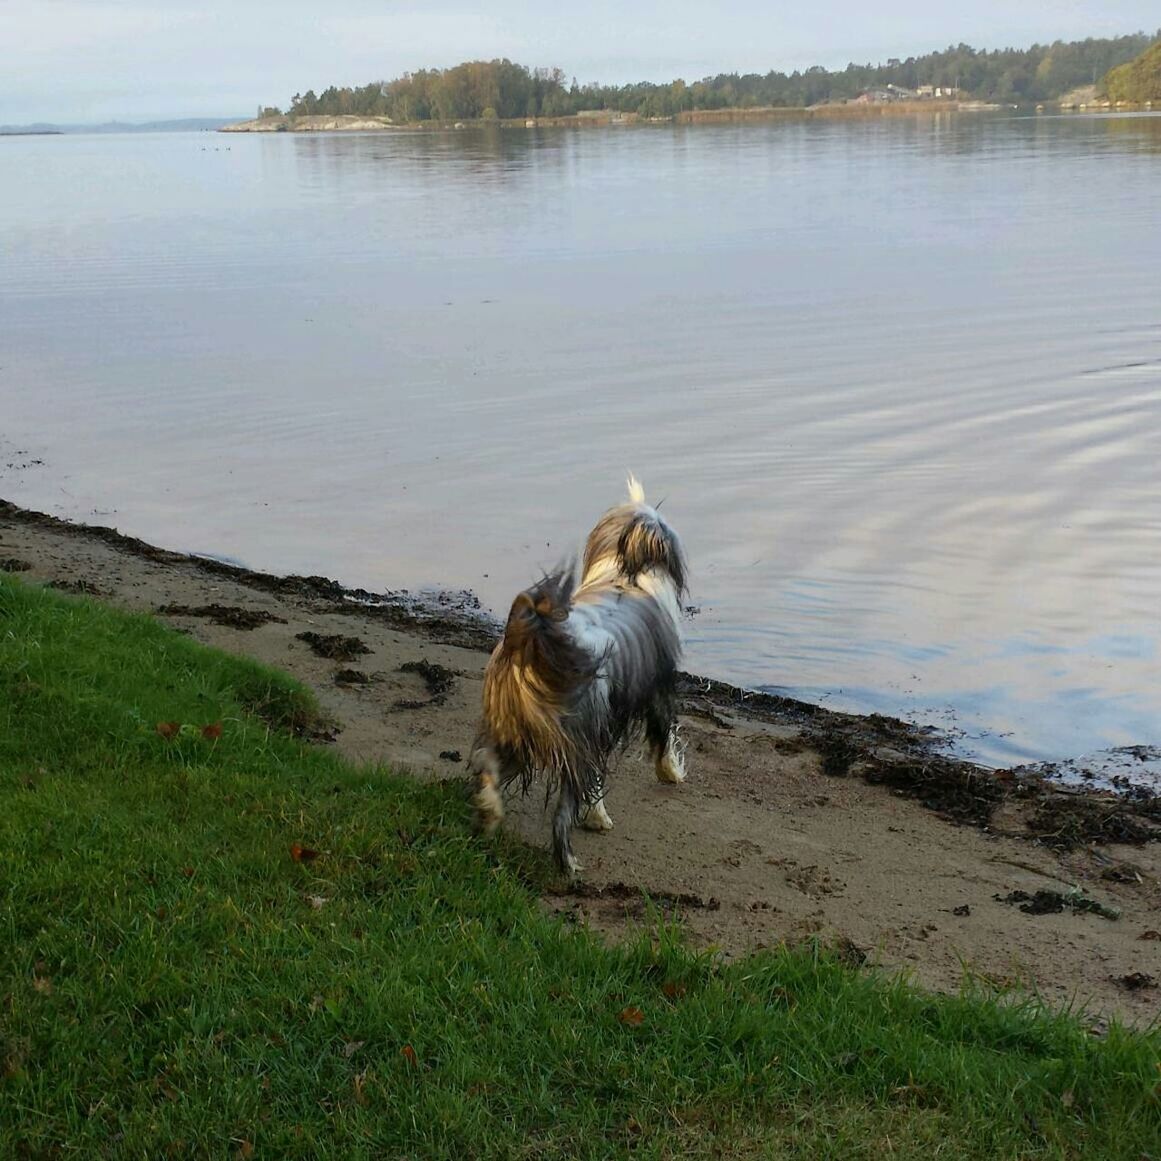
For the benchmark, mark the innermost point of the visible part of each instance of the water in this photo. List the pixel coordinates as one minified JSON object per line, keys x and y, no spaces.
{"x":899,"y":382}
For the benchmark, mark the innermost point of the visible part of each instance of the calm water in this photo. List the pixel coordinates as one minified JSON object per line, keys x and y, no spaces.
{"x":899,"y":383}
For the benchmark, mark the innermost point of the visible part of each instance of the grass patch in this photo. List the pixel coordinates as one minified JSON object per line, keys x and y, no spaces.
{"x":221,"y":941}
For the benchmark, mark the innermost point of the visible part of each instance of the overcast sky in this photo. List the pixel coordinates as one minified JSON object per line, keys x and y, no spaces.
{"x":95,"y":60}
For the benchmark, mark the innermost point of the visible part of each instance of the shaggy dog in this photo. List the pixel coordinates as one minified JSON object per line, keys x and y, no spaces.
{"x":580,"y":668}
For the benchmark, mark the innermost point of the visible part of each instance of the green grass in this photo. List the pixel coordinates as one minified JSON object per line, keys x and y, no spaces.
{"x":174,"y":983}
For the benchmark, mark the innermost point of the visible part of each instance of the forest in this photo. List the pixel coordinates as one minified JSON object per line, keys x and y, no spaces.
{"x":502,"y":89}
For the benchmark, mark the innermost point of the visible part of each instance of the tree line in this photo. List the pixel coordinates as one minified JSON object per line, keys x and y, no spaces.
{"x":502,"y":89}
{"x":1137,"y":81}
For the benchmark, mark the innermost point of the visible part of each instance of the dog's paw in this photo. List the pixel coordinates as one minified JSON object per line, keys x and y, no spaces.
{"x":671,"y":767}
{"x":489,"y":806}
{"x":574,"y":865}
{"x":597,"y":818}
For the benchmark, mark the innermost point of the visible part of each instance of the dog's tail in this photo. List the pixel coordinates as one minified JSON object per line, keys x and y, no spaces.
{"x":533,"y":679}
{"x":634,"y":539}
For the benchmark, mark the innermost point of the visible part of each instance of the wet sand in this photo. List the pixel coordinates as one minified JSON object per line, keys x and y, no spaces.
{"x":794,"y":821}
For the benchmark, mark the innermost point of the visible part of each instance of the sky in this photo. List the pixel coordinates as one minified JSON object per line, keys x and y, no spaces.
{"x":97,"y":60}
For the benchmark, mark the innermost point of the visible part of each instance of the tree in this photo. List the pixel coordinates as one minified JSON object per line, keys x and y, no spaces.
{"x":1138,"y":81}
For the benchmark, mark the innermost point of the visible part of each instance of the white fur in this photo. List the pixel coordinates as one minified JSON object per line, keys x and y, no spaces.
{"x":671,"y":764}
{"x":597,"y":817}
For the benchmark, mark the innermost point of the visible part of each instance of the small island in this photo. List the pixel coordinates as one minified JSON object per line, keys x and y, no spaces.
{"x":960,"y":78}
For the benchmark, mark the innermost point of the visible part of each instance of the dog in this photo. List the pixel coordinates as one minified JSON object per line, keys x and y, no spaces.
{"x":581,"y":668}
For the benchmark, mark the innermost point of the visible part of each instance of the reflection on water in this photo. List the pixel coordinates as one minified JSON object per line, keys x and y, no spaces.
{"x":899,"y":382}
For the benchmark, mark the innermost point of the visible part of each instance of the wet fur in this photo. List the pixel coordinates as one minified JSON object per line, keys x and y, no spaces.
{"x":582,"y":666}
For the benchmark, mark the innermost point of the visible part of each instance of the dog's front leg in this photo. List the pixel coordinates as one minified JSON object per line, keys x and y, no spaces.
{"x":670,"y":759}
{"x":597,"y":817}
{"x":664,"y":746}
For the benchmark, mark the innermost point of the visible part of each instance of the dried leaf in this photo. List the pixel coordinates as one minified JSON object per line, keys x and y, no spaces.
{"x":213,"y":732}
{"x":351,"y":1047}
{"x":169,"y":730}
{"x":632,"y":1017}
{"x":408,"y":1054}
{"x":164,"y":1088}
{"x":42,"y":984}
{"x":673,"y":989}
{"x":245,"y":1149}
{"x":318,"y":902}
{"x":360,"y":1083}
{"x":301,"y":854}
{"x":188,"y":872}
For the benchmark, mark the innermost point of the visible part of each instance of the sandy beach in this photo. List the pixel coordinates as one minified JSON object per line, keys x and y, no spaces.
{"x":794,"y":821}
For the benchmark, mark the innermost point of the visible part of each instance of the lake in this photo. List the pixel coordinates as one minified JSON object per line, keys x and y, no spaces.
{"x":898,"y":382}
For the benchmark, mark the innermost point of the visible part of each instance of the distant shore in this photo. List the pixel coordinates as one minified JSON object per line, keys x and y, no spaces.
{"x":853,"y":110}
{"x":604,"y":117}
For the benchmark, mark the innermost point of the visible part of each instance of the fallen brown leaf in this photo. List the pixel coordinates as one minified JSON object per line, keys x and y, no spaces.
{"x":408,"y":1054}
{"x":360,"y":1083}
{"x":673,"y":989}
{"x":169,"y":730}
{"x":632,"y":1017}
{"x":213,"y":732}
{"x":301,"y":854}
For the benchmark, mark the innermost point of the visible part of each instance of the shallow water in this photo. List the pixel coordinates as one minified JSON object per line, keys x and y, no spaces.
{"x":899,"y":383}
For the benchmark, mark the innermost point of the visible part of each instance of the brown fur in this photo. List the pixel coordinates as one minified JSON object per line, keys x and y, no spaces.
{"x":530,"y":678}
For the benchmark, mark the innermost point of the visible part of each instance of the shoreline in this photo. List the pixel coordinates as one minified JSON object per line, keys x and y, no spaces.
{"x":796,"y":821}
{"x":327,"y":123}
{"x":457,"y":618}
{"x":604,"y":118}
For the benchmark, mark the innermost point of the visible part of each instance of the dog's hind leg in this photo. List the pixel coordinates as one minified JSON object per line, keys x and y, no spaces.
{"x":488,"y":804}
{"x":661,"y":734}
{"x":567,"y":808}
